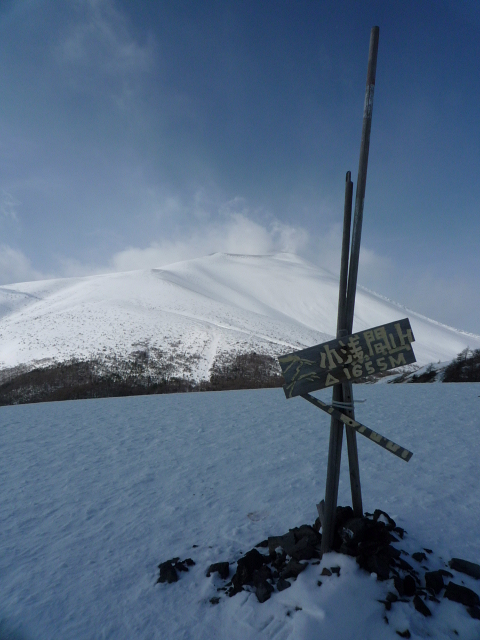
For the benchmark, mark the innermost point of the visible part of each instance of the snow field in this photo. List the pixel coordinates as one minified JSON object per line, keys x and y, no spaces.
{"x":95,"y":494}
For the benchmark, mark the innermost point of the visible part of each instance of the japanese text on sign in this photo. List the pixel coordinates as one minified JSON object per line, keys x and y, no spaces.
{"x":348,"y":359}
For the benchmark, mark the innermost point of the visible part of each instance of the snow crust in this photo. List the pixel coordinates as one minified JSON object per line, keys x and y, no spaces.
{"x":95,"y":494}
{"x":197,"y":309}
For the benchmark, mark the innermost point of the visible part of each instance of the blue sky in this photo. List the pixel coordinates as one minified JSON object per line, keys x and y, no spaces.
{"x":137,"y":134}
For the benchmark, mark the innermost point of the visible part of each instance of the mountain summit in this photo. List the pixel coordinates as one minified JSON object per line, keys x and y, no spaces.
{"x":195,"y":314}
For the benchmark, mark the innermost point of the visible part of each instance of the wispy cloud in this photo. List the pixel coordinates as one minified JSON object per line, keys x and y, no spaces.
{"x":99,"y":44}
{"x":236,"y":233}
{"x":8,"y":205}
{"x":16,"y":267}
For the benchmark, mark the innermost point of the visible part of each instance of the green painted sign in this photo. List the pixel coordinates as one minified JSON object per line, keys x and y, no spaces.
{"x":348,"y":359}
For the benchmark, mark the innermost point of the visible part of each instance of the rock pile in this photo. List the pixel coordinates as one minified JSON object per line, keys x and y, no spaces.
{"x":275,"y":562}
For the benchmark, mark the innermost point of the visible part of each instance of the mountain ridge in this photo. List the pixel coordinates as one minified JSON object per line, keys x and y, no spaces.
{"x":195,"y":316}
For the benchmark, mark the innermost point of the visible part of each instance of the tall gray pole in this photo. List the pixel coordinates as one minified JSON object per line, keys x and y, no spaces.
{"x":336,"y":426}
{"x":362,"y":177}
{"x":345,"y":320}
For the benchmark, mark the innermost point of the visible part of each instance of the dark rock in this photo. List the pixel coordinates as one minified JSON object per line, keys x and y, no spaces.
{"x":460,"y":594}
{"x":391,"y":552}
{"x":398,"y":582}
{"x":278,"y":560}
{"x":409,"y":586}
{"x":261,"y":575}
{"x":283,"y":584}
{"x":335,"y":570}
{"x":377,"y":537}
{"x":403,"y":564}
{"x":387,"y":604}
{"x":392,"y":597}
{"x":474,"y":612}
{"x":342,"y":515}
{"x":434,"y":581}
{"x":263,"y":591}
{"x":222,"y":568}
{"x":400,"y":532}
{"x":236,"y":587}
{"x":404,"y":634}
{"x":421,"y":607}
{"x":445,"y":573}
{"x":348,"y":550}
{"x":180,"y":566}
{"x":390,"y":524}
{"x":319,"y":583}
{"x":326,"y":572}
{"x":427,"y":550}
{"x":419,"y":556}
{"x":304,"y":550}
{"x":247,"y":565}
{"x":262,"y":545}
{"x":215,"y":600}
{"x":167,"y":573}
{"x":306,"y":531}
{"x":375,"y":564}
{"x":354,"y":530}
{"x":469,"y":568}
{"x":189,"y":562}
{"x":292,"y":569}
{"x":286,"y":542}
{"x":317,"y":524}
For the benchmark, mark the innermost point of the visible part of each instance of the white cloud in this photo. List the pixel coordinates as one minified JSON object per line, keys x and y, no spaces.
{"x":8,"y":205}
{"x":16,"y":267}
{"x":102,"y":38}
{"x":234,"y":233}
{"x":100,"y":46}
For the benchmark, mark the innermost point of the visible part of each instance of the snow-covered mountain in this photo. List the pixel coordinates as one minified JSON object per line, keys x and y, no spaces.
{"x":194,"y":312}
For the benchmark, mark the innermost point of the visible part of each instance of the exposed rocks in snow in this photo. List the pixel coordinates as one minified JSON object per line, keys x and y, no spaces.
{"x":375,"y":542}
{"x":463,"y":595}
{"x":377,"y":545}
{"x":221,"y":568}
{"x":469,"y":568}
{"x":168,"y":569}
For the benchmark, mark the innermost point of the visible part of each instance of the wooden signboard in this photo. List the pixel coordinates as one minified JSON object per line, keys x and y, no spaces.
{"x":348,"y":359}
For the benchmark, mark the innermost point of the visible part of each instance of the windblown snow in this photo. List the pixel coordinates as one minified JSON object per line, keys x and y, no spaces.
{"x":196,"y":310}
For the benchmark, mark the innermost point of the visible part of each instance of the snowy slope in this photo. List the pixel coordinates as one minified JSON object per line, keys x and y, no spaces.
{"x":95,"y":494}
{"x":194,"y":311}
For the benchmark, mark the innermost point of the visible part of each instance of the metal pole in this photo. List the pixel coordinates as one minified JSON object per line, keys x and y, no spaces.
{"x":354,"y":257}
{"x":347,"y":223}
{"x":346,"y":306}
{"x":362,"y":177}
{"x":336,"y":426}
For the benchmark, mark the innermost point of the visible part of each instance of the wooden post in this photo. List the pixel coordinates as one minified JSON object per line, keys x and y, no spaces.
{"x":346,"y":305}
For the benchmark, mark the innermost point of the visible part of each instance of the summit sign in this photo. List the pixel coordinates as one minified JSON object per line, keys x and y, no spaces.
{"x":348,"y":359}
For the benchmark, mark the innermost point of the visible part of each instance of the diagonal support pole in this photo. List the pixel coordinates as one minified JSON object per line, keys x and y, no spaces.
{"x":383,"y":442}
